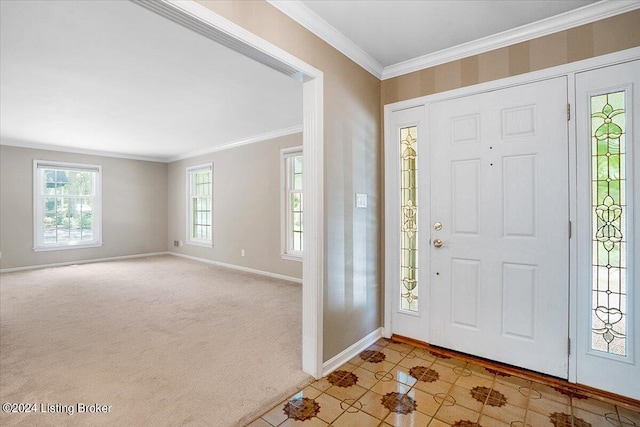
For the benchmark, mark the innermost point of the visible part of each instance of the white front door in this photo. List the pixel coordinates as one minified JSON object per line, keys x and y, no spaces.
{"x":608,"y":185}
{"x":500,"y":225}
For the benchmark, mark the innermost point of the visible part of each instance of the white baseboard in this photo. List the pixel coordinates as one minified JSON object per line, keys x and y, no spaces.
{"x":85,"y":261}
{"x":237,"y":267}
{"x":343,"y":357}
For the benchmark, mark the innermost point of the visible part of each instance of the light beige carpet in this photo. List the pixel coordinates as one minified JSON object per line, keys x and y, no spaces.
{"x":165,"y":341}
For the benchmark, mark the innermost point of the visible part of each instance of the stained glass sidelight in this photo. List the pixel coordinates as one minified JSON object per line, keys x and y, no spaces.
{"x":409,"y":219}
{"x":609,"y":251}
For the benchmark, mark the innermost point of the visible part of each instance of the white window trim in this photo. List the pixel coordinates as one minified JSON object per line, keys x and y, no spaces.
{"x":189,"y":240}
{"x":286,"y":153}
{"x":38,"y":207}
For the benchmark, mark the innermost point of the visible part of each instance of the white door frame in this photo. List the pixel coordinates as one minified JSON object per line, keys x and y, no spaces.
{"x":313,"y":143}
{"x":568,"y":70}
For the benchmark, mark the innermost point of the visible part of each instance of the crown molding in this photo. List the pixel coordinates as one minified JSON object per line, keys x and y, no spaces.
{"x":39,"y":146}
{"x":304,"y":16}
{"x":257,"y":138}
{"x":574,"y":18}
{"x":60,"y":148}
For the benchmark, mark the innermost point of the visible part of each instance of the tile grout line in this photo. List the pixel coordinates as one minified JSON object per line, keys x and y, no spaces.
{"x":526,"y":408}
{"x":484,"y":404}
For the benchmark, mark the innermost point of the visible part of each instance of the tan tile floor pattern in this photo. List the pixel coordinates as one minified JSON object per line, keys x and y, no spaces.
{"x":396,"y":384}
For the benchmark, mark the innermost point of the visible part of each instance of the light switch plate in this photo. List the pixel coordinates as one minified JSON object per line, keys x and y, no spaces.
{"x":361,"y":200}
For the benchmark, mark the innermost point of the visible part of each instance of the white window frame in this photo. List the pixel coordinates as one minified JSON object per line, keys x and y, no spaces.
{"x":191,"y":171}
{"x":38,"y":206}
{"x":286,"y":251}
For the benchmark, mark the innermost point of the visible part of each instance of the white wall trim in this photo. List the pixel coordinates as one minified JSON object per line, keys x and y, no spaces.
{"x":59,"y":148}
{"x":86,"y":261}
{"x":251,"y":140}
{"x":237,"y":267}
{"x":225,"y":146}
{"x":349,"y":353}
{"x":321,"y":28}
{"x":574,"y":18}
{"x":313,"y":143}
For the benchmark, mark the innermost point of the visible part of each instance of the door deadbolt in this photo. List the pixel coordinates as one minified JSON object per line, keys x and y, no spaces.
{"x":437,"y":226}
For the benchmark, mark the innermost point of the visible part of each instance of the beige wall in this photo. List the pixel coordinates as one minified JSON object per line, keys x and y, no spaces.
{"x":134,"y":201}
{"x":353,"y":151}
{"x":352,"y":288}
{"x":246,"y":206}
{"x":587,"y":41}
{"x":353,"y":101}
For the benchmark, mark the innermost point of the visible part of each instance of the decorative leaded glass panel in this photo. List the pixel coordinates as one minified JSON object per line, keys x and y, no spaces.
{"x":409,"y":219}
{"x":608,"y":188}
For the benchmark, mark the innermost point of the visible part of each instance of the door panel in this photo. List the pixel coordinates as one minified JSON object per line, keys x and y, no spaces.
{"x":520,"y":205}
{"x":499,"y":186}
{"x":465,"y":292}
{"x":465,"y":209}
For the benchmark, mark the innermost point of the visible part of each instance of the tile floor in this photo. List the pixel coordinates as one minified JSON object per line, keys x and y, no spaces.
{"x":396,"y":384}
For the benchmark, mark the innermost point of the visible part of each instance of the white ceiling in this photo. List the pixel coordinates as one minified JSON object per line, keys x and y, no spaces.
{"x":390,"y":38}
{"x":393,"y":31}
{"x":114,"y":77}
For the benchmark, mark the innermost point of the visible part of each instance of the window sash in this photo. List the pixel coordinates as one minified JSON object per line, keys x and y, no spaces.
{"x":200,"y":205}
{"x":65,"y":221}
{"x":293,"y":235}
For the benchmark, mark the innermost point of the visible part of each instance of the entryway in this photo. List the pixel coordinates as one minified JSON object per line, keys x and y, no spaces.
{"x":493,"y":221}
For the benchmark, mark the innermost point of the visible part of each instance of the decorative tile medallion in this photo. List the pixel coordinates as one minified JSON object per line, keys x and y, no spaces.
{"x":492,"y":397}
{"x":383,"y":376}
{"x":463,"y":372}
{"x":353,"y":406}
{"x":408,"y":354}
{"x":444,"y":399}
{"x":301,"y":408}
{"x":373,"y":356}
{"x":613,"y":420}
{"x":569,"y":392}
{"x":530,"y":393}
{"x":465,"y":423}
{"x":342,"y":378}
{"x":496,"y":372}
{"x":422,"y":373}
{"x":559,"y":419}
{"x":398,"y":402}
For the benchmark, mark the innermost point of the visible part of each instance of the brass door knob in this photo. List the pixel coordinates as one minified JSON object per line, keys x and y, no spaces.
{"x":437,"y":243}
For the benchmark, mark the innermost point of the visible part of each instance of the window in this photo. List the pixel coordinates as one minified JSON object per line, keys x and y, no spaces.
{"x":608,"y":221}
{"x":409,"y":214}
{"x":199,"y":205}
{"x":67,"y":206}
{"x":292,"y":236}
